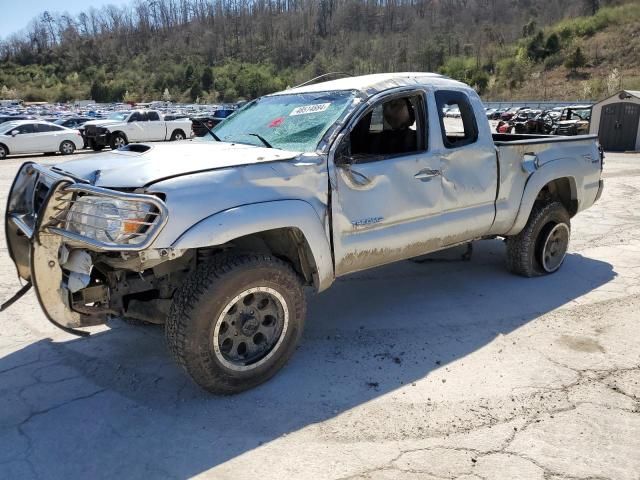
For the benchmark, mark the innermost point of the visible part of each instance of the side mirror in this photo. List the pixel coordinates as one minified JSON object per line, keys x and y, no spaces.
{"x":343,"y":156}
{"x":343,"y":160}
{"x":14,"y":133}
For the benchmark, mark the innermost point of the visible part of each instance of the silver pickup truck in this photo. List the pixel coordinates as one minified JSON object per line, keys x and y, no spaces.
{"x":216,"y":239}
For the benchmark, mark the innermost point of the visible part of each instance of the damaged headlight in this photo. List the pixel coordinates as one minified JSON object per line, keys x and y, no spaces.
{"x":109,"y":220}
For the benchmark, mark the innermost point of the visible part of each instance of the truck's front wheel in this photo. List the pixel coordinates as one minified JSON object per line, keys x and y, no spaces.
{"x":541,"y":246}
{"x":118,"y":140}
{"x":236,"y":321}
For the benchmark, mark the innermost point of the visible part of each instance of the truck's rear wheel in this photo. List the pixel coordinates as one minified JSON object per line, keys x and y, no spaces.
{"x":236,"y":321}
{"x":541,"y":246}
{"x":177,"y":135}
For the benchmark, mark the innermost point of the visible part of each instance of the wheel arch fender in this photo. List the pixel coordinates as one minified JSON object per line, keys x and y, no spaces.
{"x":242,"y":221}
{"x":563,"y":174}
{"x":118,"y":132}
{"x":5,"y":147}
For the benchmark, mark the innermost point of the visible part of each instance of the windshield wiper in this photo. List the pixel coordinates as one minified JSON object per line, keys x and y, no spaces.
{"x":215,"y":137}
{"x":261,"y":138}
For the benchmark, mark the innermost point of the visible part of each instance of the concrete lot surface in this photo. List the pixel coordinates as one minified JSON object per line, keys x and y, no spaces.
{"x":440,"y":369}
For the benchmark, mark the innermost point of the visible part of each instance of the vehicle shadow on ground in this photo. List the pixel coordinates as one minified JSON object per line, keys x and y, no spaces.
{"x":115,"y":405}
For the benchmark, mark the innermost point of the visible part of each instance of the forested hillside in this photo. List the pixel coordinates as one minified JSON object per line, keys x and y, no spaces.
{"x":222,"y":50}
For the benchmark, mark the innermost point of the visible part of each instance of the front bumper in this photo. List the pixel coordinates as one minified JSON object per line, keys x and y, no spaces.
{"x":96,"y":136}
{"x":36,"y":237}
{"x":34,"y":250}
{"x":101,"y":140}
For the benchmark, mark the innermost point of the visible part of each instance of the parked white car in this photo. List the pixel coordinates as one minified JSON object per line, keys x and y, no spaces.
{"x":36,"y":136}
{"x":130,"y":126}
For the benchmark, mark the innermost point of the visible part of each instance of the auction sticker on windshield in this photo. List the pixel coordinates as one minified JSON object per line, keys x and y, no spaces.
{"x":305,"y":109}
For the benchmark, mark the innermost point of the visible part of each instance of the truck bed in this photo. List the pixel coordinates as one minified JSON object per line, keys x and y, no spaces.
{"x":513,"y":174}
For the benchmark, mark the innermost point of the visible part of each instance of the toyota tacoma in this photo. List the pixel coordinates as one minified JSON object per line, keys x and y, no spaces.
{"x":217,"y":239}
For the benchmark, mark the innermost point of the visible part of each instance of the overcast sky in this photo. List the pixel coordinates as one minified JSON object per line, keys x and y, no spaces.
{"x":16,"y":14}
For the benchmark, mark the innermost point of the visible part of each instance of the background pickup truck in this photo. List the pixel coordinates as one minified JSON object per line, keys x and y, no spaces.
{"x":121,"y":128}
{"x":216,"y":239}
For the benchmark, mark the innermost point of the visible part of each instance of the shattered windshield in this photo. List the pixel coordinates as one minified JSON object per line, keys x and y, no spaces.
{"x":290,"y":122}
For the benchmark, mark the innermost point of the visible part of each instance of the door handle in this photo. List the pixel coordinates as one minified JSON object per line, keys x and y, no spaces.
{"x":427,"y":174}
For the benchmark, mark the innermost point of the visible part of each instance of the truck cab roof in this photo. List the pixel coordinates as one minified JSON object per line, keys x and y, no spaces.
{"x":372,"y":84}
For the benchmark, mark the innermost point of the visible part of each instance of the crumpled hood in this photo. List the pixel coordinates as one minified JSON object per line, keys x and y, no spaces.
{"x":132,"y":169}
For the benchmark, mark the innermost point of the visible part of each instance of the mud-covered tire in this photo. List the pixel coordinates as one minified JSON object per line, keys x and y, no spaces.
{"x":525,"y":251}
{"x":200,"y":304}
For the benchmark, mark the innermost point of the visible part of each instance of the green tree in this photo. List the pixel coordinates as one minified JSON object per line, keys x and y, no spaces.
{"x":98,"y":91}
{"x":207,"y":79}
{"x":195,"y":92}
{"x":529,"y":29}
{"x":576,"y":60}
{"x":188,"y":75}
{"x":552,"y":45}
{"x":536,"y":47}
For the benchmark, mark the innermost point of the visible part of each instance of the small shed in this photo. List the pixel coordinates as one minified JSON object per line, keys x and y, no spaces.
{"x":616,"y":121}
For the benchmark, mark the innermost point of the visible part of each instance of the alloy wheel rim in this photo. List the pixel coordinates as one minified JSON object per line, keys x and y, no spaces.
{"x":555,"y":247}
{"x":119,"y":142}
{"x":250,"y":329}
{"x":67,"y":148}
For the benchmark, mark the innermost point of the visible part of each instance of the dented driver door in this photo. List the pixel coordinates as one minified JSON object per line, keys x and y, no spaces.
{"x":384,"y":207}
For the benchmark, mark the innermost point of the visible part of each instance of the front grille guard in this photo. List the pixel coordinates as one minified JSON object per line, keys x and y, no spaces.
{"x":65,"y":193}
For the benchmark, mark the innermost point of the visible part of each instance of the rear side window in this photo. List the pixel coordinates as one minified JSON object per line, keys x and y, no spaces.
{"x":42,"y":128}
{"x":27,"y":128}
{"x":458,"y":125}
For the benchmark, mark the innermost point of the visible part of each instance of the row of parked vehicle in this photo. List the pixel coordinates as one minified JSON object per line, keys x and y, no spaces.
{"x":569,"y":120}
{"x":66,"y":132}
{"x":21,"y":134}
